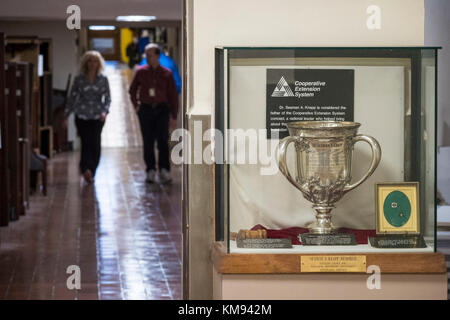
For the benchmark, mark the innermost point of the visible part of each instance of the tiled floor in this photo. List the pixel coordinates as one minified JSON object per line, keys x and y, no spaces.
{"x":123,"y":234}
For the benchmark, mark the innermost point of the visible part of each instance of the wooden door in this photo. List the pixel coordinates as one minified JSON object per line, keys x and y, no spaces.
{"x":4,"y":180}
{"x":13,"y":140}
{"x":107,"y":42}
{"x":46,"y":83}
{"x":24,"y":70}
{"x":27,"y":49}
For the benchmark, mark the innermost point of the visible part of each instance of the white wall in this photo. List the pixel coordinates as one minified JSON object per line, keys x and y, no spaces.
{"x":90,"y":10}
{"x":437,"y":33}
{"x":212,"y":23}
{"x":290,"y":23}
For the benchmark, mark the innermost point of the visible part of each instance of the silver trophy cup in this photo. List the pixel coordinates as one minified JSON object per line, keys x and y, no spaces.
{"x":323,"y":164}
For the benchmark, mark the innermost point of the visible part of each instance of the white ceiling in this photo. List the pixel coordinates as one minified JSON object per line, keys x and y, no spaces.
{"x":90,"y":9}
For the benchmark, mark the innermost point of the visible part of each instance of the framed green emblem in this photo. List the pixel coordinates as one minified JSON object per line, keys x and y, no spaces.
{"x":397,"y":208}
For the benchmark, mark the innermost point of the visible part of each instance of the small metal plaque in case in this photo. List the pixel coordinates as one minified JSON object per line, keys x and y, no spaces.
{"x":339,"y":239}
{"x":264,"y":243}
{"x":398,"y":241}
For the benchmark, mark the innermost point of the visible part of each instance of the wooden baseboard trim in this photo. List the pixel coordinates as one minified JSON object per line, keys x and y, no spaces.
{"x":237,"y":263}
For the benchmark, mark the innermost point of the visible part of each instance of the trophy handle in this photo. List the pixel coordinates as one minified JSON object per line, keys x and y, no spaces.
{"x":376,"y":156}
{"x":282,"y":149}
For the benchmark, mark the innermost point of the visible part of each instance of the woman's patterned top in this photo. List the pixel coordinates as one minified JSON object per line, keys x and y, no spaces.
{"x":87,"y":100}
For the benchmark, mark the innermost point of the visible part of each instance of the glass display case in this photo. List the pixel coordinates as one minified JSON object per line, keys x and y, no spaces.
{"x":310,"y":186}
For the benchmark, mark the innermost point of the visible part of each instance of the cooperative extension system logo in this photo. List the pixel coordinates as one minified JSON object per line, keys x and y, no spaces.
{"x":282,"y":89}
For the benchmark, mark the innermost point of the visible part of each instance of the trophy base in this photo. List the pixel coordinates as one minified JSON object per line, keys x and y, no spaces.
{"x":264,"y":243}
{"x":336,"y":239}
{"x":397,"y":241}
{"x":321,"y":228}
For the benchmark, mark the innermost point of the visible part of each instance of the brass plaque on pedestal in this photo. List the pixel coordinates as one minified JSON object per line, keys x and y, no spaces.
{"x":323,"y":263}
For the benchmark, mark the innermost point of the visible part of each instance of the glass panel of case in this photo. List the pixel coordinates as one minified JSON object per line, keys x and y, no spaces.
{"x":390,"y":92}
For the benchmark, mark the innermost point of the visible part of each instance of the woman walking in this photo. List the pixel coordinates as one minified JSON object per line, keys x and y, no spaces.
{"x":89,"y":99}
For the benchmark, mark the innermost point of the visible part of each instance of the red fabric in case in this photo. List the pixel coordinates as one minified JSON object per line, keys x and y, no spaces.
{"x":361,"y":236}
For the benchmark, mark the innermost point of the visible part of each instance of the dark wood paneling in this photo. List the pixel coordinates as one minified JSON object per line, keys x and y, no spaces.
{"x":28,"y":49}
{"x":46,"y":99}
{"x":24,"y":83}
{"x":35,"y":119}
{"x":13,"y":140}
{"x":4,"y":180}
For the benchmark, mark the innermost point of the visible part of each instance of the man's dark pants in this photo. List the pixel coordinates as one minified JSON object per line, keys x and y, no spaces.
{"x":90,"y":132}
{"x":154,"y":121}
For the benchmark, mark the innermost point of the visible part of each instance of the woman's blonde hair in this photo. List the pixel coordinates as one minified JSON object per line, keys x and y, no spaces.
{"x":91,"y":54}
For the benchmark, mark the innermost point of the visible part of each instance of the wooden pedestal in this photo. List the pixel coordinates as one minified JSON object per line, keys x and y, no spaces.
{"x":280,"y":276}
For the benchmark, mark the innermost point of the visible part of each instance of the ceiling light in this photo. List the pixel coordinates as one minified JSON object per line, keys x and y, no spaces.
{"x":136,"y":18}
{"x":98,"y":28}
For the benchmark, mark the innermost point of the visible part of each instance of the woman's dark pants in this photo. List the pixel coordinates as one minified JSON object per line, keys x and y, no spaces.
{"x":90,"y":132}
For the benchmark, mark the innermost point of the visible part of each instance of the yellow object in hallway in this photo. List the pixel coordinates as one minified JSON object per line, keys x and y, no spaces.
{"x":126,"y":37}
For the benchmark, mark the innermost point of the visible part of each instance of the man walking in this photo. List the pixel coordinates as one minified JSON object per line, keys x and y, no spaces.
{"x":133,"y":54}
{"x":155,"y":98}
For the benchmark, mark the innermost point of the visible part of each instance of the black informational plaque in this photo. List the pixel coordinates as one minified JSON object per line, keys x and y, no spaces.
{"x":307,"y":95}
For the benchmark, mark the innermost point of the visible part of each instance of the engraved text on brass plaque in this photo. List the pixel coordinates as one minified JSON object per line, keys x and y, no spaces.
{"x":334,"y":263}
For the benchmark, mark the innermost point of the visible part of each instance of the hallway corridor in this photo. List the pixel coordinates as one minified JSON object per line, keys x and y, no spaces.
{"x":122,"y":128}
{"x":123,"y":234}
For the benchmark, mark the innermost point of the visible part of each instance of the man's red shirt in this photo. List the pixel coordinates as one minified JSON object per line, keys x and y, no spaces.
{"x":161,"y":80}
